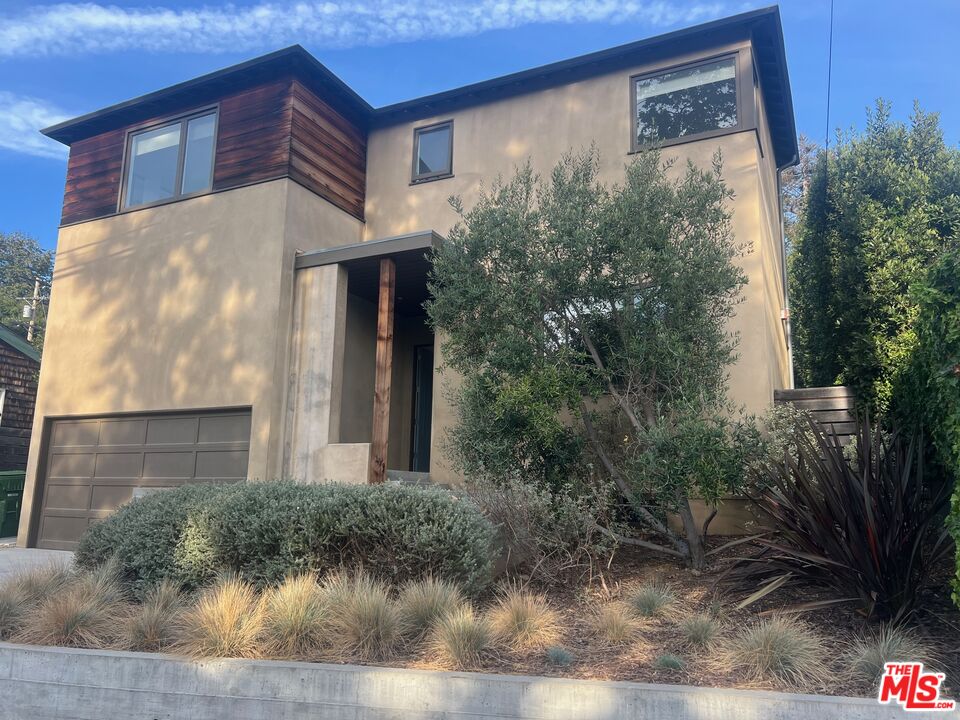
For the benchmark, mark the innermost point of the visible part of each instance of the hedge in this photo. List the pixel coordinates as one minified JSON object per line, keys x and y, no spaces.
{"x":266,"y":530}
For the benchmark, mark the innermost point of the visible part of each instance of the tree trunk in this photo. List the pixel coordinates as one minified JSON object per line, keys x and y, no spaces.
{"x":698,"y":558}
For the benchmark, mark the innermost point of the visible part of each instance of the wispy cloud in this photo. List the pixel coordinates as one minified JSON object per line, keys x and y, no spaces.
{"x":85,"y":28}
{"x":21,"y":119}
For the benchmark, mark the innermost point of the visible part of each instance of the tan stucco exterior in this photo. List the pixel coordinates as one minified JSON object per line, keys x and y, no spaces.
{"x":182,"y":306}
{"x":493,"y":139}
{"x":196,"y":304}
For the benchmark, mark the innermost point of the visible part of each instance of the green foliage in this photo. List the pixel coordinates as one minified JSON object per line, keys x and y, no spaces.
{"x":927,"y":393}
{"x":880,"y":208}
{"x":22,"y":262}
{"x":868,"y":530}
{"x":581,"y":316}
{"x":265,"y":531}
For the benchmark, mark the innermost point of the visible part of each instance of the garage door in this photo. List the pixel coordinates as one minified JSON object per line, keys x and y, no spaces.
{"x":94,"y":465}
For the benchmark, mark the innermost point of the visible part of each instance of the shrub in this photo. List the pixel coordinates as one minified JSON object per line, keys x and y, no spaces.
{"x":265,"y":531}
{"x":524,"y":621}
{"x":670,"y":661}
{"x":868,"y":530}
{"x":651,"y":599}
{"x":88,"y":611}
{"x":868,"y":653}
{"x":365,"y":622}
{"x":296,"y":618}
{"x":422,"y":602}
{"x":559,"y":656}
{"x":461,"y":638}
{"x":226,"y":621}
{"x":152,"y":625}
{"x":700,"y":630}
{"x":777,"y":648}
{"x":615,"y":623}
{"x":20,"y":593}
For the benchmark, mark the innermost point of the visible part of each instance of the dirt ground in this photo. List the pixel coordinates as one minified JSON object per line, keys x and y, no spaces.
{"x":938,"y":624}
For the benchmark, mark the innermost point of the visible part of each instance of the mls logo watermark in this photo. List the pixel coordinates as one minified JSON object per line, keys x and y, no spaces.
{"x":911,"y":687}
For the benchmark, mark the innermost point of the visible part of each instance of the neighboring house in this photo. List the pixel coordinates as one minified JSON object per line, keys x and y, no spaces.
{"x":19,"y":369}
{"x":237,"y":249}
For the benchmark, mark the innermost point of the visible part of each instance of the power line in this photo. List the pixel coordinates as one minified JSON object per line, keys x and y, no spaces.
{"x":829,"y":77}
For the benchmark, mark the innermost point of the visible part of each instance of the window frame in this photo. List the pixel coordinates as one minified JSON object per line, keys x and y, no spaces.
{"x":738,"y":58}
{"x":418,"y":178}
{"x":181,"y":119}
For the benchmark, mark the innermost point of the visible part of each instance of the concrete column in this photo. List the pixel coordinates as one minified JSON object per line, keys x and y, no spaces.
{"x":315,"y":382}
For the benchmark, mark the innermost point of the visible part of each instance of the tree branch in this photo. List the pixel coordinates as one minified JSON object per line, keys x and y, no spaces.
{"x":640,"y":543}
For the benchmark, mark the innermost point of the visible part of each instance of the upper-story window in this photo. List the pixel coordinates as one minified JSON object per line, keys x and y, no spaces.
{"x":433,"y":151}
{"x":170,"y":161}
{"x":686,"y":102}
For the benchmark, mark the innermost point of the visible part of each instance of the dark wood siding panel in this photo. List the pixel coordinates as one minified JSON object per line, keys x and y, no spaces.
{"x":253,"y":136}
{"x":268,"y":131}
{"x":328,"y":153}
{"x":93,"y":177}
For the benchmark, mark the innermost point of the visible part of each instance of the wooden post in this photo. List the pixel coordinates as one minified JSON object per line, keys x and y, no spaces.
{"x":381,"y":383}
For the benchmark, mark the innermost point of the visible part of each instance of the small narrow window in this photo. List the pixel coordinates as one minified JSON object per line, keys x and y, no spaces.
{"x":433,"y":152}
{"x":170,"y":161}
{"x":686,"y":102}
{"x":3,"y":400}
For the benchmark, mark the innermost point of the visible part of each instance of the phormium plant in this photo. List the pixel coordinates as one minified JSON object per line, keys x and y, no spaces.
{"x":869,"y":528}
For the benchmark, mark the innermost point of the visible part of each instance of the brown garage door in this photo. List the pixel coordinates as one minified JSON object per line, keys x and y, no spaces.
{"x":94,"y":465}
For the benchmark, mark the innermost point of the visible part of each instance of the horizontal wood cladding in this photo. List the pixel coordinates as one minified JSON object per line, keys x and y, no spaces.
{"x":328,"y":154}
{"x":265,"y":132}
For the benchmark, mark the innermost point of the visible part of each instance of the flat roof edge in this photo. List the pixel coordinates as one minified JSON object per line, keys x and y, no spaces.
{"x":423,"y":240}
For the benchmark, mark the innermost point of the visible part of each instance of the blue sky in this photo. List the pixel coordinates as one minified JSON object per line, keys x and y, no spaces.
{"x":59,"y":60}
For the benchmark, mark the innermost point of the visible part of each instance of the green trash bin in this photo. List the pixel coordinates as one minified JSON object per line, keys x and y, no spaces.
{"x":11,"y":495}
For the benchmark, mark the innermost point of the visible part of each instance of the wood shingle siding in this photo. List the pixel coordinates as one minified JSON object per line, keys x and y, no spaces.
{"x":269,"y":131}
{"x":18,"y":375}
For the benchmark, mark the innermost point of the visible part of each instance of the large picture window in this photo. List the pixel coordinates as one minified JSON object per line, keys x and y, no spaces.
{"x":170,"y":161}
{"x":686,"y":102}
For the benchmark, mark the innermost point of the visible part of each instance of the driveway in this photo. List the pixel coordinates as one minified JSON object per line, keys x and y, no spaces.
{"x":14,"y":560}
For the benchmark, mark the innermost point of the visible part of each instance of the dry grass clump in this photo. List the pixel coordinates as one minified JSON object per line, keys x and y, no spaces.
{"x":615,"y":623}
{"x":87,"y":611}
{"x":25,"y":590}
{"x":226,"y":621}
{"x":151,"y":627}
{"x":700,"y":630}
{"x":524,"y":621}
{"x":651,"y":599}
{"x":423,"y":602}
{"x":365,"y":621}
{"x":461,"y":638}
{"x":296,"y":618}
{"x":778,"y":648}
{"x":868,"y":653}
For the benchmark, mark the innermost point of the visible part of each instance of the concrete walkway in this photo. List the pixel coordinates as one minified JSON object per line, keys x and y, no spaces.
{"x":14,"y":560}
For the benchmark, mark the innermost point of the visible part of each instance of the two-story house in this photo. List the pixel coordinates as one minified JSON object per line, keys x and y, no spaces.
{"x":242,"y":260}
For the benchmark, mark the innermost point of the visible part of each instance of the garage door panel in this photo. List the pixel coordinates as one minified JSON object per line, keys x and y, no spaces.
{"x":61,"y":497}
{"x":169,"y":465}
{"x":96,"y":465}
{"x":110,"y":497}
{"x":224,"y":429}
{"x":72,"y":465}
{"x":123,"y":432}
{"x":68,"y":433}
{"x":172,"y":431}
{"x":119,"y":465}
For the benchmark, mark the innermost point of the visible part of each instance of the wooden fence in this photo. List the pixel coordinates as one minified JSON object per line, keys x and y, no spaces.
{"x":832,"y":407}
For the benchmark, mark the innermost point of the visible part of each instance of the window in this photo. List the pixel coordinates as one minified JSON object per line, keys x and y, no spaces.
{"x":3,"y":400}
{"x":170,"y":161}
{"x":685,"y":102}
{"x":433,"y":152}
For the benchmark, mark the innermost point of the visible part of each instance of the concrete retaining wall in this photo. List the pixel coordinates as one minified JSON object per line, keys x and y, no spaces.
{"x":40,"y":683}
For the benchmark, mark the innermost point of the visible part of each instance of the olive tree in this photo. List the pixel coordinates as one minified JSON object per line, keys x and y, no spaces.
{"x":590,"y":326}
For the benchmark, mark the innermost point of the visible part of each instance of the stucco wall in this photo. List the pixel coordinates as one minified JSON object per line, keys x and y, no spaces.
{"x":186,"y":305}
{"x":492,"y":139}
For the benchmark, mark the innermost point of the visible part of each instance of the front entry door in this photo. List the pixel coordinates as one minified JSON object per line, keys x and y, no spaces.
{"x":422,"y":407}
